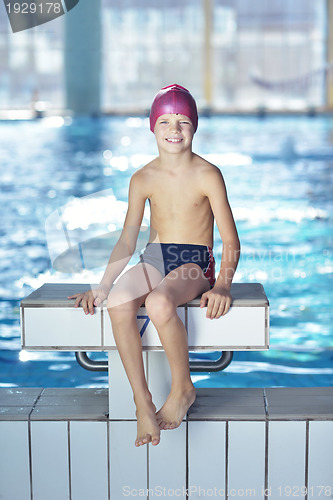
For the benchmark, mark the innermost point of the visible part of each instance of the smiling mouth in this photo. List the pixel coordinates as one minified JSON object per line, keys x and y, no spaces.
{"x":174,"y":141}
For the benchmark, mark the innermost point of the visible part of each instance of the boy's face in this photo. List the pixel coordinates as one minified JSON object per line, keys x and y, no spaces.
{"x":174,"y":133}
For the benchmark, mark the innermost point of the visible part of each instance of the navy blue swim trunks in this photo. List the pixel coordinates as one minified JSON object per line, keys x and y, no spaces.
{"x":168,"y":256}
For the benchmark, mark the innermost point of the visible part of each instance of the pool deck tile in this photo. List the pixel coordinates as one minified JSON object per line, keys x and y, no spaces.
{"x":282,"y":393}
{"x":81,"y":411}
{"x":19,"y":397}
{"x":13,"y":413}
{"x":57,"y":401}
{"x":294,"y":403}
{"x":226,"y":404}
{"x":73,"y":397}
{"x":74,"y":391}
{"x":71,"y":404}
{"x":299,"y":403}
{"x":301,"y":412}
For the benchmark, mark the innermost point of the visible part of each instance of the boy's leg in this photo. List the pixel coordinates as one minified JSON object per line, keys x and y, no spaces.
{"x":124,"y":300}
{"x":181,"y":285}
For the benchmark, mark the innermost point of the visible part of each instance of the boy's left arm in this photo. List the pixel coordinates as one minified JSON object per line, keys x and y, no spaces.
{"x":218,"y":299}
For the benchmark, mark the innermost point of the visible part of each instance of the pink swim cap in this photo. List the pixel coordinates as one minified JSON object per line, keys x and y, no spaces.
{"x":173,"y":99}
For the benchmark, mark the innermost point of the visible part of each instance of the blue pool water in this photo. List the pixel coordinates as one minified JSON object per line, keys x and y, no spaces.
{"x":279,"y":175}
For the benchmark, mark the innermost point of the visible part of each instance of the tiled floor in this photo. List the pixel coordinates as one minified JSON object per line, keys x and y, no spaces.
{"x":292,"y":403}
{"x":53,"y":404}
{"x":243,"y":439}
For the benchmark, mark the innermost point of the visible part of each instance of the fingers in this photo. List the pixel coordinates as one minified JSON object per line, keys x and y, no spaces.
{"x":100,"y":298}
{"x":224,"y":307}
{"x":76,"y":295}
{"x":89,"y":299}
{"x":203,"y":299}
{"x":90,"y":305}
{"x":98,"y":301}
{"x":86,"y":300}
{"x":217,"y":306}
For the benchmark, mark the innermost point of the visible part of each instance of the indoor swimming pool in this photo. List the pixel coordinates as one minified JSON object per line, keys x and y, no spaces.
{"x":279,"y":176}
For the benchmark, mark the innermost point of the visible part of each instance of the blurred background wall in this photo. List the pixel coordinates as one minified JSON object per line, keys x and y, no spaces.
{"x":112,"y":57}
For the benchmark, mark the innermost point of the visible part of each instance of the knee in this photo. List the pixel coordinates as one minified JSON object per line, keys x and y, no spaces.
{"x":120,"y":307}
{"x":159,"y":307}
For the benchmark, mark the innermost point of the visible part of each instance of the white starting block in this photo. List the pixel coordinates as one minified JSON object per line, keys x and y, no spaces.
{"x":50,"y":322}
{"x":233,"y":443}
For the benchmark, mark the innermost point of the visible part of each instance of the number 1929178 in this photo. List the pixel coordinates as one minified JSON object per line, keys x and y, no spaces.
{"x":301,"y":491}
{"x":34,"y":8}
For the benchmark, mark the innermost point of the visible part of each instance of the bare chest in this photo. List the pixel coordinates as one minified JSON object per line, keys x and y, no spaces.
{"x":177,"y":197}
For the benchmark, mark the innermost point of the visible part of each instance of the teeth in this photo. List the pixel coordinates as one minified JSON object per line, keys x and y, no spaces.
{"x":173,"y":140}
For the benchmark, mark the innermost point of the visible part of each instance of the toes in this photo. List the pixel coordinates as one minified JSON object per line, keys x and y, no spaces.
{"x":171,"y":425}
{"x":165,"y":425}
{"x":139,"y":442}
{"x":144,"y":440}
{"x":155,"y":440}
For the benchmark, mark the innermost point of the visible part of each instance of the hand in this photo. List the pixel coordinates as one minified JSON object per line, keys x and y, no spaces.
{"x":219,"y":300}
{"x":90,"y":298}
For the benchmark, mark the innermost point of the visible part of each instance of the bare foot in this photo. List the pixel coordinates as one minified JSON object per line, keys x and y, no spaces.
{"x":148,"y":428}
{"x":175,"y":408}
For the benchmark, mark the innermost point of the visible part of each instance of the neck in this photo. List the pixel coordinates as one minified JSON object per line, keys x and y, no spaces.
{"x":176,"y":160}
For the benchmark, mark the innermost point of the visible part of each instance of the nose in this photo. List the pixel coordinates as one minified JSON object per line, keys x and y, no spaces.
{"x":175,"y":126}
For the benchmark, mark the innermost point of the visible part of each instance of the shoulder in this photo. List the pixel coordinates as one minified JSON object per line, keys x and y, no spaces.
{"x":209,"y":175}
{"x":144,"y":172}
{"x":141,"y":179}
{"x":205,"y":168}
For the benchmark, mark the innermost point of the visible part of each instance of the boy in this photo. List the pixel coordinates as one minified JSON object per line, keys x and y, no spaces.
{"x":185,"y":193}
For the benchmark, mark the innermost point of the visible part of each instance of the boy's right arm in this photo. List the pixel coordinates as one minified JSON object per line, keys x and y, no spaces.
{"x":122,"y":251}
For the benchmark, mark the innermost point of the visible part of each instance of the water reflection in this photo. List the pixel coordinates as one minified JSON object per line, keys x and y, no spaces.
{"x":283,"y":209}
